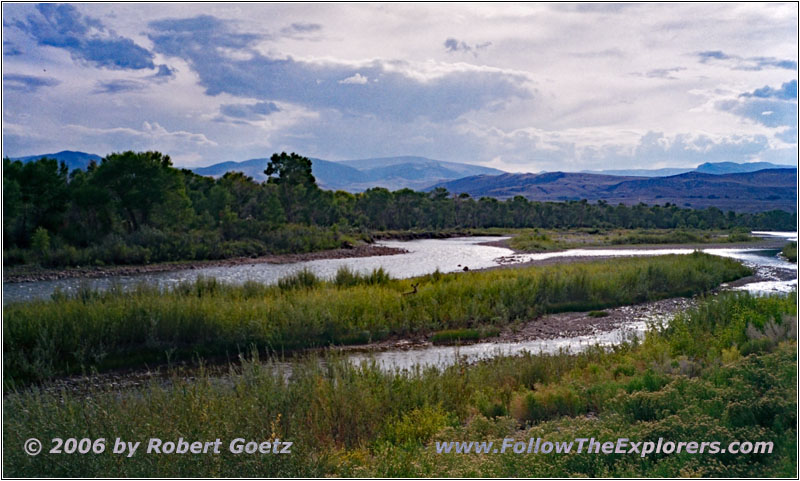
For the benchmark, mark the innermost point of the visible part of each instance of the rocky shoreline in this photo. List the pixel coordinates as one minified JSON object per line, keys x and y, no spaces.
{"x":546,"y":327}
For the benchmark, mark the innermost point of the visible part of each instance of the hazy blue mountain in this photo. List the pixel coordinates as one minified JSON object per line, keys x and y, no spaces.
{"x":74,"y":160}
{"x":335,"y":176}
{"x":733,"y":167}
{"x":358,"y":175}
{"x":745,"y":192}
{"x":419,"y":162}
{"x":707,"y":168}
{"x":329,"y":175}
{"x":641,"y":172}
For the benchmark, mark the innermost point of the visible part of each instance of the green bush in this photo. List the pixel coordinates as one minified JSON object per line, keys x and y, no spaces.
{"x":346,"y":277}
{"x":790,"y":251}
{"x":303,"y":279}
{"x":449,"y":336}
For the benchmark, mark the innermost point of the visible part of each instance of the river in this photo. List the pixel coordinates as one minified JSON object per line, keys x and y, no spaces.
{"x":423,"y":257}
{"x":449,"y":255}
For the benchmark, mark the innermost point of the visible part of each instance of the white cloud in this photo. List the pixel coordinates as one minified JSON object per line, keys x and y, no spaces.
{"x":356,"y":79}
{"x":588,"y":84}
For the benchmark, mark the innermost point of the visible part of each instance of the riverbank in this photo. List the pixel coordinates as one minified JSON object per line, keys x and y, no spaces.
{"x":759,"y":243}
{"x":545,"y":327}
{"x":29,"y":273}
{"x":578,"y":239}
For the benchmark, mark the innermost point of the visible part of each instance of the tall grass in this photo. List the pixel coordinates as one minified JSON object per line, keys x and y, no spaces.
{"x":682,"y":383}
{"x":346,"y":277}
{"x":126,"y":329}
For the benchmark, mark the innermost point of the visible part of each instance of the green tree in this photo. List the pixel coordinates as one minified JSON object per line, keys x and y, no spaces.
{"x":138,"y":183}
{"x":297,"y":186}
{"x":37,"y":196}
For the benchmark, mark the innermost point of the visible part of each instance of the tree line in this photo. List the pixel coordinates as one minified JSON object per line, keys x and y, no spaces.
{"x":135,"y":207}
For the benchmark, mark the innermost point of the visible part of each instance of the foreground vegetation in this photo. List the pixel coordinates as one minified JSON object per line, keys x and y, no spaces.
{"x":725,"y":371}
{"x":790,"y":251}
{"x":116,"y":329}
{"x":542,"y":240}
{"x":135,"y":208}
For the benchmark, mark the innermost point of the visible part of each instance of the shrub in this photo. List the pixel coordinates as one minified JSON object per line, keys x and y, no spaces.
{"x":303,"y":279}
{"x":455,"y":335}
{"x":790,"y":251}
{"x":40,"y":242}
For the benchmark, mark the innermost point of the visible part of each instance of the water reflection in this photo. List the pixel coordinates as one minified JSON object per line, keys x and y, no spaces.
{"x":423,"y":257}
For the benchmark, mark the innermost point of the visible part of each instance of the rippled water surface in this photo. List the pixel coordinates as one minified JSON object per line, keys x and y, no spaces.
{"x":423,"y":257}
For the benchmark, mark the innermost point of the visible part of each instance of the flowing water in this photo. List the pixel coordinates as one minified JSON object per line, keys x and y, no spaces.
{"x":423,"y":257}
{"x":446,"y":255}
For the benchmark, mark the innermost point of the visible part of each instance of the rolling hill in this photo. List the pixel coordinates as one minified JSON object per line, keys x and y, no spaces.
{"x":745,"y":192}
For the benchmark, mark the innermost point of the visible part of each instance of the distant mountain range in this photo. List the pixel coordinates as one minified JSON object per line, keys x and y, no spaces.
{"x":754,"y":186}
{"x":707,"y":168}
{"x":745,"y":192}
{"x":358,"y":175}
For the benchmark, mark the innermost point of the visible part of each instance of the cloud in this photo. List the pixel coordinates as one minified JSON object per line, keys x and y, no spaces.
{"x":27,"y":83}
{"x":152,"y":134}
{"x":356,"y":79}
{"x":199,"y":31}
{"x":403,"y":91}
{"x":737,"y":62}
{"x":788,"y":135}
{"x":660,"y":73}
{"x":301,"y":31}
{"x":664,"y":73}
{"x":529,"y":103}
{"x":787,"y":91}
{"x":605,"y":53}
{"x":254,"y":111}
{"x":85,"y":38}
{"x":453,"y":45}
{"x":10,"y":50}
{"x":163,"y":73}
{"x":773,"y":107}
{"x":712,"y":54}
{"x":118,"y":86}
{"x":781,"y":113}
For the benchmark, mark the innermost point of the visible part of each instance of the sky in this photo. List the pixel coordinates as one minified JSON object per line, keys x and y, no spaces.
{"x":519,"y":87}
